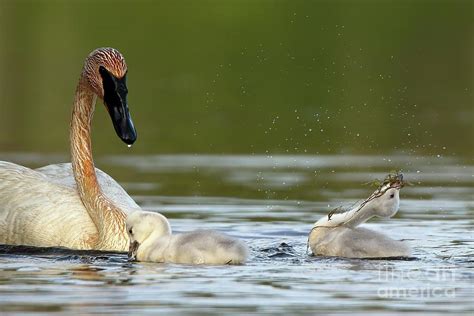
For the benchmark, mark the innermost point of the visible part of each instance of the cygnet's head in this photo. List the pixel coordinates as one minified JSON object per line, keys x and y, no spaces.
{"x":385,"y":201}
{"x":141,"y":225}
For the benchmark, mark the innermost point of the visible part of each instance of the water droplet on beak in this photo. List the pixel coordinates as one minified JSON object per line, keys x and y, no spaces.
{"x":129,"y":146}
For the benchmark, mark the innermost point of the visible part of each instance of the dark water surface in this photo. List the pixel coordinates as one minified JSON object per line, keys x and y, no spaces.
{"x":270,"y":202}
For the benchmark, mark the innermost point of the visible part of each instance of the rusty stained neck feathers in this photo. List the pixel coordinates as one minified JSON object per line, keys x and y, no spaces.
{"x":107,"y":217}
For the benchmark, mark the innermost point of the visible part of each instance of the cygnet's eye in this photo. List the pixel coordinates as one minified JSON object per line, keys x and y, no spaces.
{"x":130,"y":231}
{"x":392,"y":195}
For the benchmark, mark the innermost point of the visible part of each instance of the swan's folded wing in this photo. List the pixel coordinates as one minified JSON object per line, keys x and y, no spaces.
{"x":36,"y":212}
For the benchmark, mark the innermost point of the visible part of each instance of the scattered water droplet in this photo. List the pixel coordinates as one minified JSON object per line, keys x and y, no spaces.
{"x":129,"y":145}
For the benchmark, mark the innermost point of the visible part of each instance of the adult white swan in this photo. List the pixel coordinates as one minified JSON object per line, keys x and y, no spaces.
{"x":151,"y":240}
{"x":74,"y":205}
{"x":338,"y":234}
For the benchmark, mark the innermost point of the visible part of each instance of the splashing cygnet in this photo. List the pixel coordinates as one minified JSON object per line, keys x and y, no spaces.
{"x":339,"y":234}
{"x":151,"y":240}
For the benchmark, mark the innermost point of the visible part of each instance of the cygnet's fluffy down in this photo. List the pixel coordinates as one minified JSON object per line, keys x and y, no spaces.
{"x":151,"y":240}
{"x":355,"y":243}
{"x":338,"y":234}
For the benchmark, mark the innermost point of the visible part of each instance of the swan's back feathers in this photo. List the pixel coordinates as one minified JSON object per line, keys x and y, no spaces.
{"x":37,"y":212}
{"x":42,"y":207}
{"x":62,"y":174}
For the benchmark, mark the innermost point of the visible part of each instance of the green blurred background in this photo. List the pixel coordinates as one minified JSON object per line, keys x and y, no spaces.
{"x":297,"y":77}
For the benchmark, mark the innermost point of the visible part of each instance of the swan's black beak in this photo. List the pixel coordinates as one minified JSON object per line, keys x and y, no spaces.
{"x":132,"y":250}
{"x":115,"y":99}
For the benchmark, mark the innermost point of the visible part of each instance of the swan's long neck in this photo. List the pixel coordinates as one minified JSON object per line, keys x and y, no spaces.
{"x":108,"y":218}
{"x":356,"y":216}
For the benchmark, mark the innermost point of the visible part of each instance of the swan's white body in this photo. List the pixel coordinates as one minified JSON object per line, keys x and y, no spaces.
{"x":74,"y":205}
{"x":42,"y":207}
{"x":338,"y":234}
{"x":151,"y":240}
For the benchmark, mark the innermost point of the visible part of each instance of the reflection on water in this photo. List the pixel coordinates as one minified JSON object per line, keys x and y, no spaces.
{"x":270,"y":202}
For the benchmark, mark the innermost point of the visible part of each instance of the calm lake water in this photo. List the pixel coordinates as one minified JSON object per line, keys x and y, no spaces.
{"x":270,"y":202}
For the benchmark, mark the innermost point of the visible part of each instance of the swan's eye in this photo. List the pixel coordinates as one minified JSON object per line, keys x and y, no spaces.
{"x":392,"y":195}
{"x":130,"y":231}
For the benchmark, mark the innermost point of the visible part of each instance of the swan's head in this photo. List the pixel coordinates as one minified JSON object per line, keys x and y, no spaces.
{"x":106,"y":72}
{"x":143,"y":225}
{"x":385,"y":200}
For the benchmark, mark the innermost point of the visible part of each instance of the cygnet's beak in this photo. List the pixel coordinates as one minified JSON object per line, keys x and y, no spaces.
{"x":132,"y":250}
